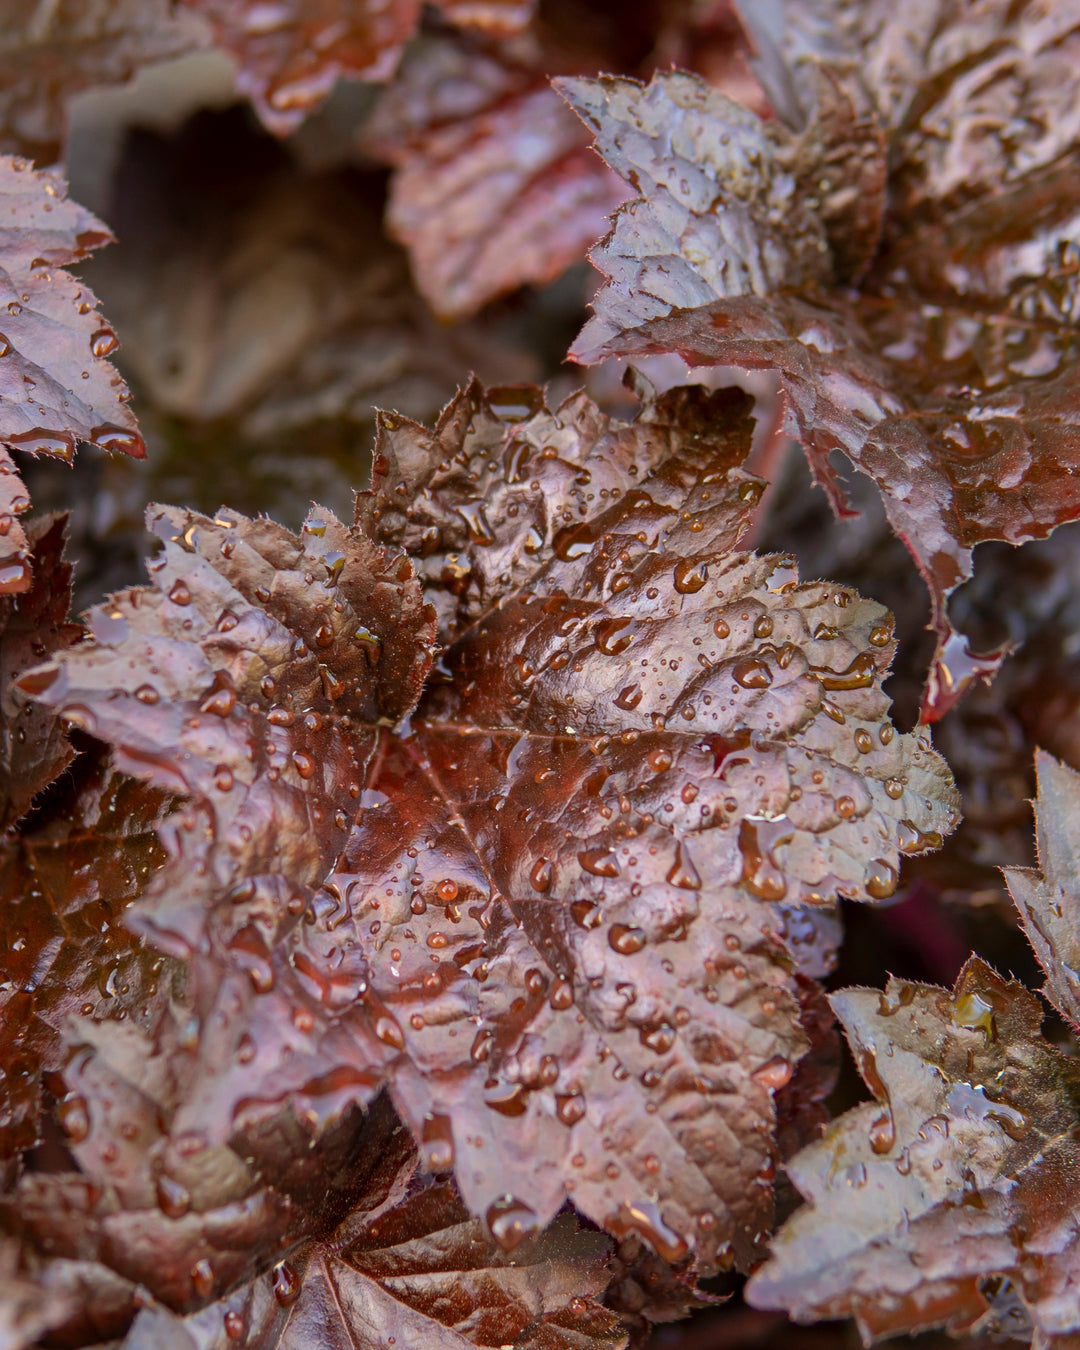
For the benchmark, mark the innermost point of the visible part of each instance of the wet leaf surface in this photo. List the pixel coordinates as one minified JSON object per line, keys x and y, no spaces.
{"x":67,"y":879}
{"x":946,"y":376}
{"x":34,"y":747}
{"x":951,"y":1199}
{"x":56,"y":385}
{"x":409,"y":1266}
{"x":1049,"y":899}
{"x":550,"y":911}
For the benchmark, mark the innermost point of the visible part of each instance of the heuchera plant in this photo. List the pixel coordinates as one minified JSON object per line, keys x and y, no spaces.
{"x":414,"y":926}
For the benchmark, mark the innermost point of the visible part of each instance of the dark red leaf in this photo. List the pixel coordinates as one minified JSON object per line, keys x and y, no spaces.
{"x":34,"y":747}
{"x":496,"y":183}
{"x":56,"y":387}
{"x":556,"y":926}
{"x":947,"y":377}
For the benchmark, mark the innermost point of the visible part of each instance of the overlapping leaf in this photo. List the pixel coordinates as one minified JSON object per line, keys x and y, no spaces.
{"x":408,"y":1266}
{"x":50,"y":53}
{"x":947,"y":377}
{"x":34,"y":747}
{"x":554,"y":929}
{"x":496,"y":183}
{"x":1049,"y":899}
{"x":289,"y":55}
{"x":56,"y":387}
{"x":951,"y":1200}
{"x":67,"y":957}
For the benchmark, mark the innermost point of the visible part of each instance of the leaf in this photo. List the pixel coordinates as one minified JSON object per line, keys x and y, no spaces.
{"x":412,"y":1268}
{"x":951,"y":1200}
{"x":544,"y":910}
{"x":289,"y":58}
{"x":55,"y":385}
{"x":48,"y":54}
{"x":946,"y":376}
{"x":34,"y":747}
{"x":496,"y":189}
{"x":66,"y":882}
{"x":1048,"y":898}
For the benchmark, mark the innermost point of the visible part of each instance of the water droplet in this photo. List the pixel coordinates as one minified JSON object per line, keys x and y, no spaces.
{"x":609,"y":636}
{"x":643,"y":1219}
{"x":860,"y":674}
{"x":286,"y":1284}
{"x":103,"y":342}
{"x":304,"y":763}
{"x":119,"y":440}
{"x":74,"y":1118}
{"x":683,"y":873}
{"x":541,"y":875}
{"x":570,"y":1107}
{"x":202,"y":1278}
{"x":600,"y":862}
{"x":658,"y":1039}
{"x":758,"y":836}
{"x":864,"y":742}
{"x":173,"y":1200}
{"x":221,"y":699}
{"x":763,"y":627}
{"x":511,"y":1221}
{"x":774,"y":1073}
{"x":883,"y":1132}
{"x":690,"y":576}
{"x":476,"y":522}
{"x":626,"y":940}
{"x":234,"y":1325}
{"x":180,"y":593}
{"x":447,"y":890}
{"x":881,"y":879}
{"x":752,"y":673}
{"x":895,"y":788}
{"x":510,"y":1099}
{"x":388,"y":1031}
{"x":629,"y":698}
{"x":438,"y":1142}
{"x":561,"y":996}
{"x":970,"y":1010}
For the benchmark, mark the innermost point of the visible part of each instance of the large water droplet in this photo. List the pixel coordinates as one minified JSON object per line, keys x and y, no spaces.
{"x":752,"y":673}
{"x":286,"y":1284}
{"x":626,"y":940}
{"x":600,"y":862}
{"x":690,"y":575}
{"x":511,"y":1221}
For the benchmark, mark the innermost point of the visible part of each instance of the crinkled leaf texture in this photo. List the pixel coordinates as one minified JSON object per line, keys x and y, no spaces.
{"x":409,"y":1266}
{"x":496,"y":184}
{"x":558,"y":909}
{"x":953,"y":1199}
{"x":56,"y":387}
{"x":1049,"y":899}
{"x":932,"y":163}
